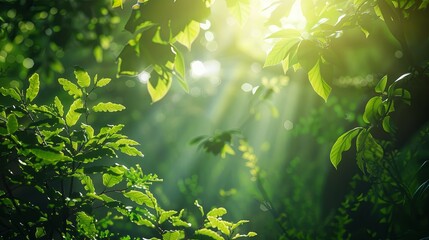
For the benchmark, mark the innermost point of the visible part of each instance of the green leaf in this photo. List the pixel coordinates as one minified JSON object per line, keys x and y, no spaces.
{"x":13,"y":93}
{"x":158,"y":87}
{"x":209,"y":233}
{"x":226,"y":149}
{"x":179,"y":63}
{"x":387,"y":125}
{"x":48,"y":156}
{"x":98,"y":54}
{"x":72,"y":116}
{"x":95,"y":196}
{"x":219,"y":224}
{"x":342,"y":144}
{"x":117,"y":3}
{"x":87,"y":184}
{"x":172,"y":235}
{"x":239,"y":223}
{"x":88,"y":130}
{"x":108,"y":107}
{"x":189,"y":34}
{"x":40,"y":232}
{"x":372,"y":114}
{"x":240,"y":9}
{"x":166,"y":215}
{"x":103,"y":82}
{"x":70,"y":88}
{"x":318,"y":83}
{"x":279,"y":51}
{"x":199,"y":207}
{"x":83,"y":79}
{"x":126,"y":141}
{"x":179,"y":66}
{"x":131,"y":151}
{"x":12,"y":124}
{"x":85,"y":225}
{"x":59,"y":106}
{"x":217,"y":212}
{"x":33,"y":88}
{"x":381,"y":85}
{"x":139,"y":198}
{"x":249,"y":234}
{"x":110,"y":180}
{"x":177,"y":222}
{"x":107,"y":199}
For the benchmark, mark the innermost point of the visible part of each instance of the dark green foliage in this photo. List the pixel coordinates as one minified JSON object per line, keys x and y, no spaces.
{"x":66,"y":175}
{"x":59,"y":179}
{"x":43,"y":32}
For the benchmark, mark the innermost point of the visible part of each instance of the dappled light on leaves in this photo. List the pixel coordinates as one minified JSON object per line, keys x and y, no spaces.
{"x":301,"y":119}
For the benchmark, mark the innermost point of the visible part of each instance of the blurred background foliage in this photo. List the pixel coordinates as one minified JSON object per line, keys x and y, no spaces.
{"x":288,"y":130}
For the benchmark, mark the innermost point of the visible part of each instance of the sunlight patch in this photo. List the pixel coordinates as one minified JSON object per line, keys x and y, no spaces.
{"x":143,"y":77}
{"x":288,"y":125}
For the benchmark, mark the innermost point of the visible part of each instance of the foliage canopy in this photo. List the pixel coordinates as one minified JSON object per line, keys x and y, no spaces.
{"x":66,"y":173}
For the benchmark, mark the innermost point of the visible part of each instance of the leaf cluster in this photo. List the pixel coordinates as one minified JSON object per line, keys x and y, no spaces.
{"x":60,"y":179}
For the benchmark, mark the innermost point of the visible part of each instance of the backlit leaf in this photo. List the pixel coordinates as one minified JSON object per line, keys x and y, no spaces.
{"x":199,"y":207}
{"x":126,"y":141}
{"x":318,"y":83}
{"x":210,"y":233}
{"x":189,"y":34}
{"x":85,"y":225}
{"x":219,"y":224}
{"x":381,"y":85}
{"x":33,"y":88}
{"x":342,"y":144}
{"x":83,"y":79}
{"x":166,"y":215}
{"x":59,"y":106}
{"x":72,"y":116}
{"x":117,"y":3}
{"x":12,"y":124}
{"x":279,"y":51}
{"x":240,"y":9}
{"x":217,"y":212}
{"x":158,"y":87}
{"x":48,"y":156}
{"x":226,"y":149}
{"x":88,"y":130}
{"x":139,"y":198}
{"x":110,"y":180}
{"x":177,"y":222}
{"x":108,"y":107}
{"x":70,"y":88}
{"x":98,"y":54}
{"x":103,"y":82}
{"x":179,"y":66}
{"x":131,"y":151}
{"x":239,"y":223}
{"x":88,"y":184}
{"x":174,"y":235}
{"x":249,"y":234}
{"x":13,"y":93}
{"x":372,"y":113}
